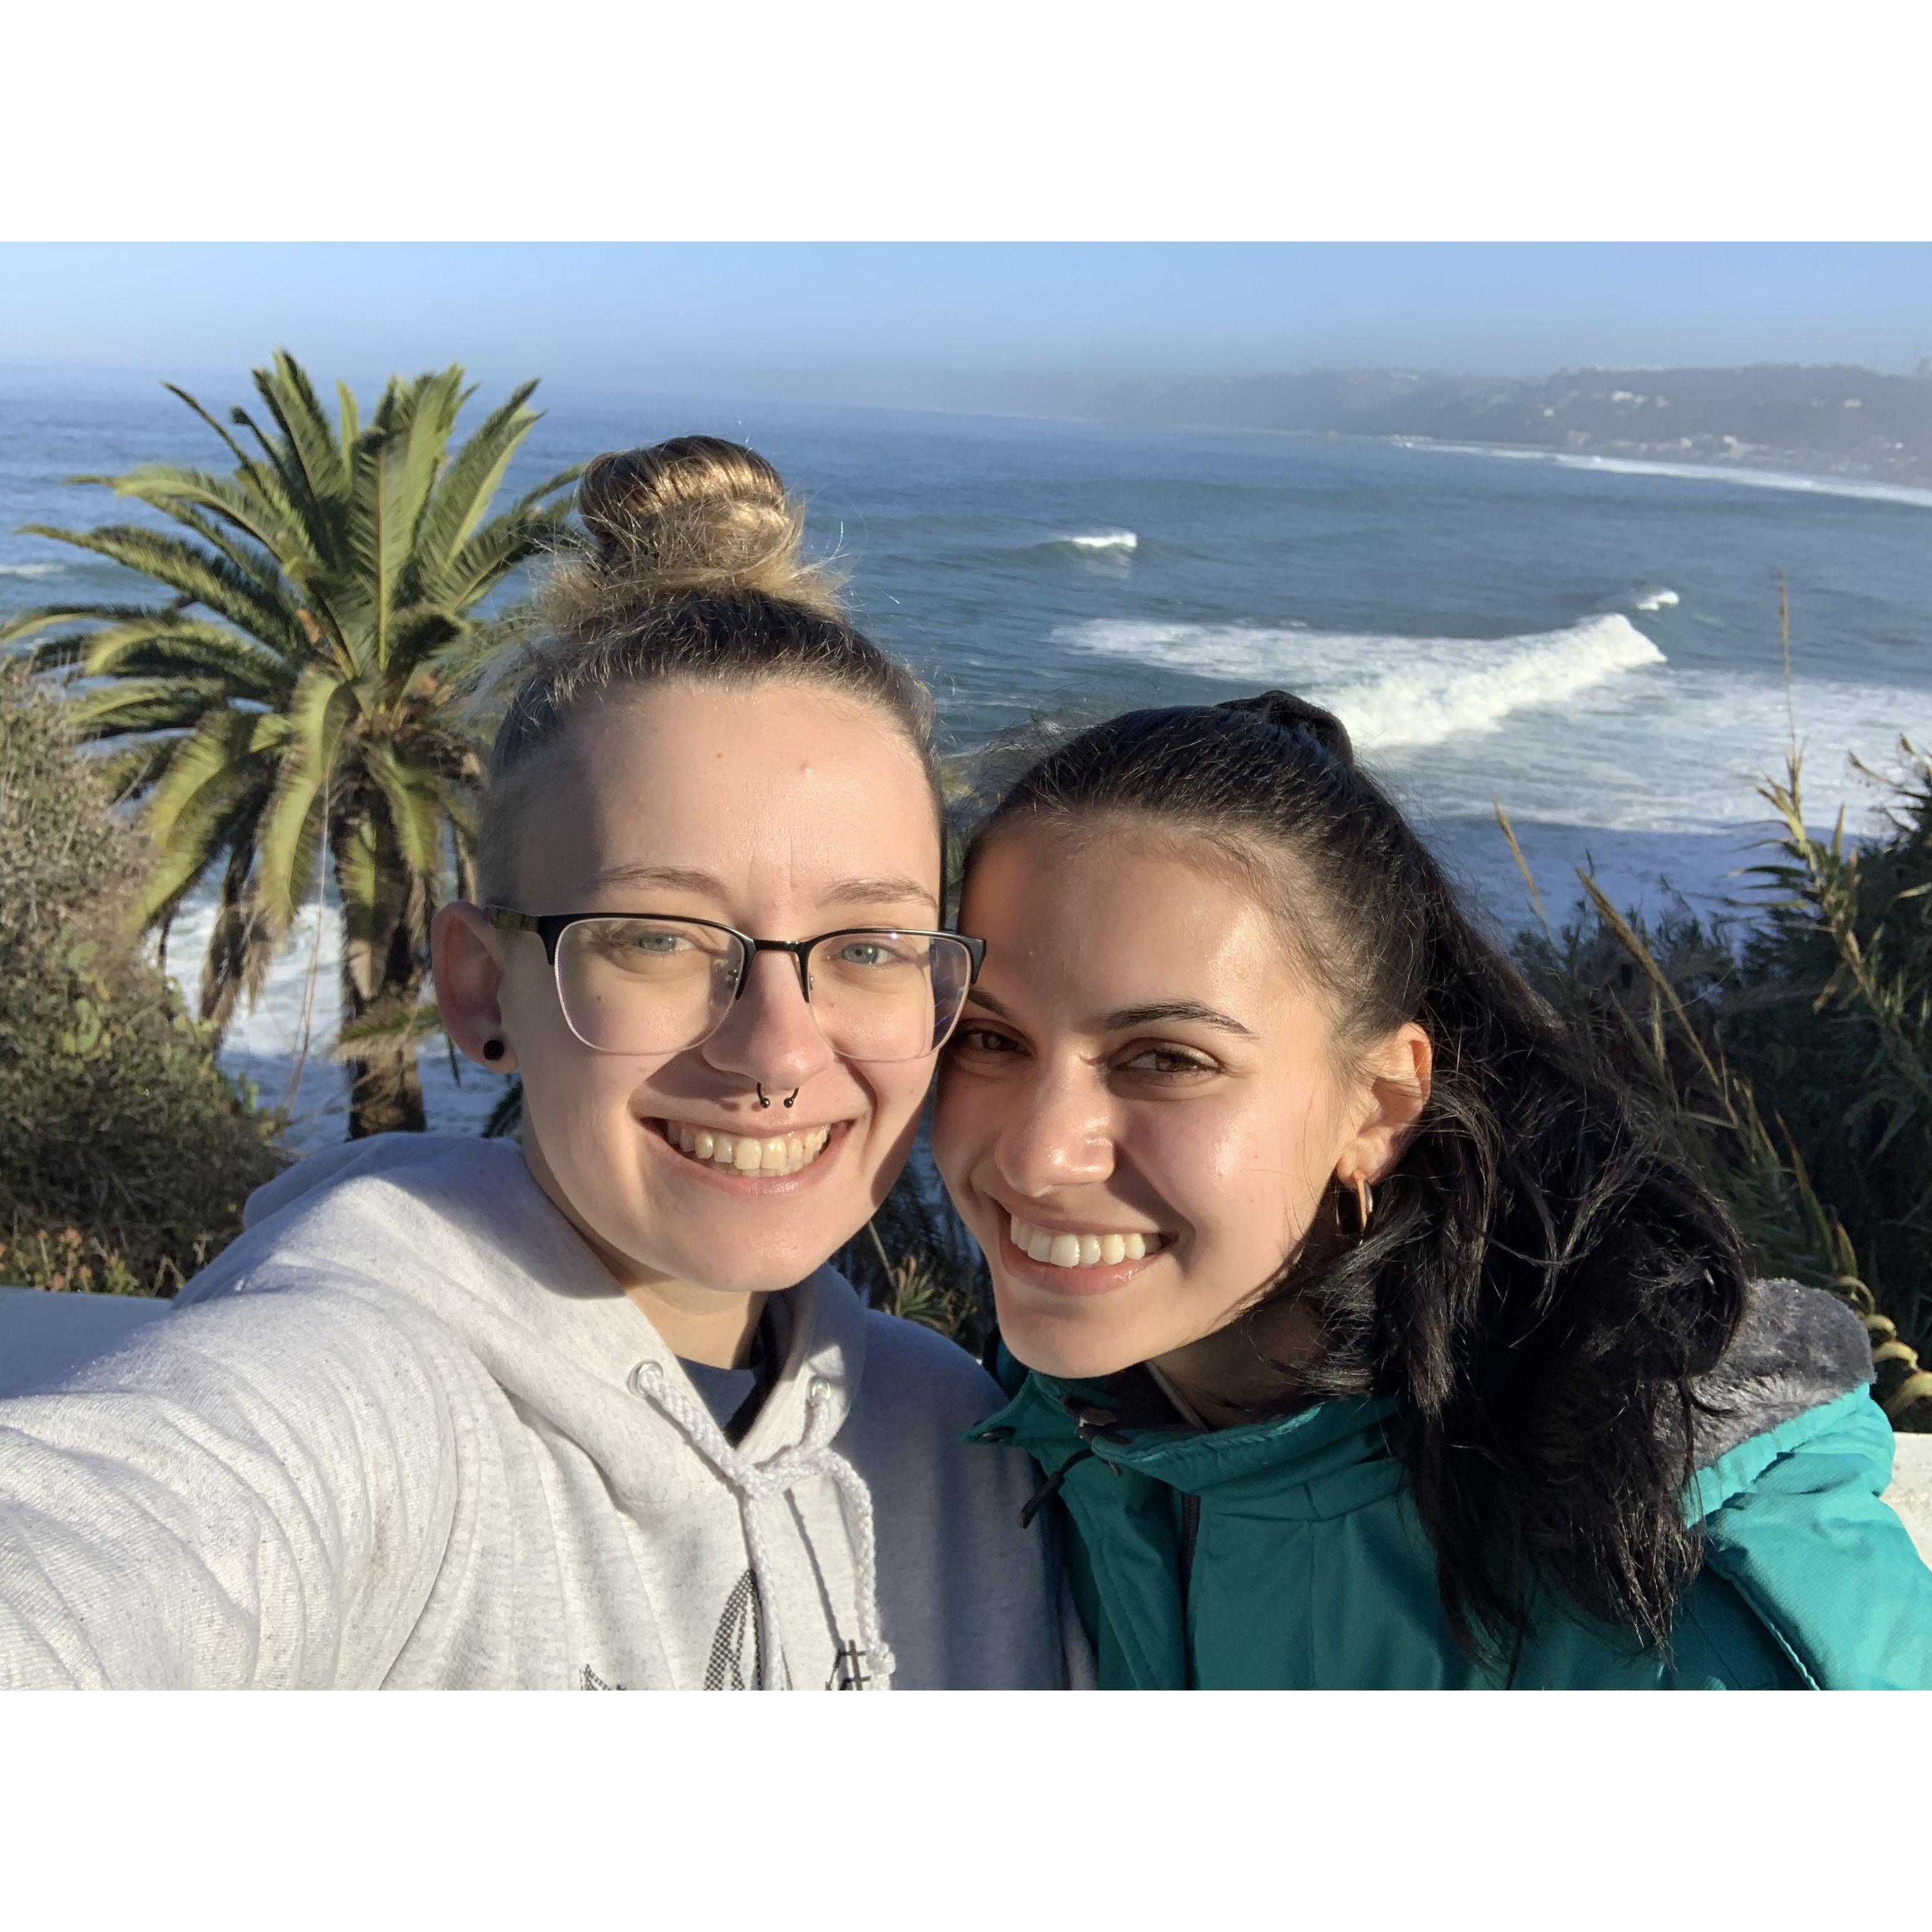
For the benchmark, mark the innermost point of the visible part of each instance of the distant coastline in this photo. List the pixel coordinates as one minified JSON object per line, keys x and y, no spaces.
{"x":1843,"y":482}
{"x":1822,"y":422}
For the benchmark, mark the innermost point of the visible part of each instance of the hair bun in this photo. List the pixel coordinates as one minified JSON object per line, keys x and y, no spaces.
{"x":1287,"y":712}
{"x":692,"y":515}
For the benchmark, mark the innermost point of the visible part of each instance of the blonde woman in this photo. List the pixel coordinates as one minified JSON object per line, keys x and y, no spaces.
{"x":592,"y":1413}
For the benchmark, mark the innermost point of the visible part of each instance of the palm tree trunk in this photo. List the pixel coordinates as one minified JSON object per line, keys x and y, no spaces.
{"x":383,"y":966}
{"x":386,"y":1094}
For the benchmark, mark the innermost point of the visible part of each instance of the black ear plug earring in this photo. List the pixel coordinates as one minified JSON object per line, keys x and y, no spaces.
{"x":492,"y":1049}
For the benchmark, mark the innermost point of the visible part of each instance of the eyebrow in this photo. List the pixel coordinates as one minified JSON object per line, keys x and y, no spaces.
{"x":1178,"y":1010}
{"x":848,"y":891}
{"x":873,"y":892}
{"x":1141,"y":1015}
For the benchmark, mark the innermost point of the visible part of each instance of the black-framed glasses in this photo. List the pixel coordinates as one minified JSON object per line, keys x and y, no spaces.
{"x":637,"y":983}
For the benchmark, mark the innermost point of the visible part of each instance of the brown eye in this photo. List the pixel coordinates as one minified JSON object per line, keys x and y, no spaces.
{"x":1167,"y":1062}
{"x":983,"y":1039}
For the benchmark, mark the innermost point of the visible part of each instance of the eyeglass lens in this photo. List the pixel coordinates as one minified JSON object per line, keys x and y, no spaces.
{"x":658,"y":985}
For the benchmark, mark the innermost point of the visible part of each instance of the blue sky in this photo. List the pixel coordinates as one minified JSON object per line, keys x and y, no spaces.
{"x":648,"y":315}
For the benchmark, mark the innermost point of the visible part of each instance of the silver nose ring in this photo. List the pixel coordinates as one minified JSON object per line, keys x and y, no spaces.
{"x":764,"y":1102}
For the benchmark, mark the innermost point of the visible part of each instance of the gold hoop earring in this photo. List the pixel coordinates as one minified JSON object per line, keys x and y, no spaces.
{"x":1365,"y":1203}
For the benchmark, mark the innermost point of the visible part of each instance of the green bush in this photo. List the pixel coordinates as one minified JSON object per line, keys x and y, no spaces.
{"x":125,"y":1154}
{"x":1786,"y":1056}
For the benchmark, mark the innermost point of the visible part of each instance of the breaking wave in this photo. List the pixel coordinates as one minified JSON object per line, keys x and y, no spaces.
{"x":1102,"y":540}
{"x":32,"y":569}
{"x":1656,"y":600}
{"x":1756,"y":479}
{"x":1392,"y":692}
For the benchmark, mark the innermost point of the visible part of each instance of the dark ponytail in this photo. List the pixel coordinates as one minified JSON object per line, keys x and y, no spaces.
{"x":1287,"y":712}
{"x":1541,"y":1280}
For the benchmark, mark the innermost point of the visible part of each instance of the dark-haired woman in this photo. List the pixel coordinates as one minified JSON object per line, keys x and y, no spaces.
{"x":1364,"y":1332}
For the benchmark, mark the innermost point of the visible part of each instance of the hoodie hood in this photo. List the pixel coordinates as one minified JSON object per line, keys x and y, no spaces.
{"x":1796,"y":1349}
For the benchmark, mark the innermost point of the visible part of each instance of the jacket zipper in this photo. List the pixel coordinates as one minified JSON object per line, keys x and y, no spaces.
{"x":1190,"y":1528}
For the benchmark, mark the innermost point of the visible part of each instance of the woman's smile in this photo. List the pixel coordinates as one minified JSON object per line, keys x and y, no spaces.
{"x":1064,"y":1257}
{"x":750,"y":1163}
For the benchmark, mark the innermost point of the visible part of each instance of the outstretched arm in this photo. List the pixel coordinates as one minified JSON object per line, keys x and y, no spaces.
{"x":253,"y":1493}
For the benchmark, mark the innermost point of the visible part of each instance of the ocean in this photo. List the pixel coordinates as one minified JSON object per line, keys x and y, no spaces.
{"x":1593,"y":645}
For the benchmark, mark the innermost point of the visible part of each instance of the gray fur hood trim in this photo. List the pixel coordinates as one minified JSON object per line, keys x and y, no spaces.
{"x":1796,"y":1349}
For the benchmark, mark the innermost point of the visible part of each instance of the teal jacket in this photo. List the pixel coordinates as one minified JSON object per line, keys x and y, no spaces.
{"x":1285,"y":1555}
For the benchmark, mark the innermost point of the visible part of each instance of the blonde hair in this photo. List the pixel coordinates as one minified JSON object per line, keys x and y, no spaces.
{"x":690,"y":571}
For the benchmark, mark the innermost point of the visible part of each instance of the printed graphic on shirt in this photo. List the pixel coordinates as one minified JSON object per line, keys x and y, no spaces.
{"x":737,"y":1661}
{"x":848,"y":1670}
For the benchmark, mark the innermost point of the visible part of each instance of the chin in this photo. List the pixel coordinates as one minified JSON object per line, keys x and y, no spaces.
{"x":762,"y":1269}
{"x":1068,"y":1350}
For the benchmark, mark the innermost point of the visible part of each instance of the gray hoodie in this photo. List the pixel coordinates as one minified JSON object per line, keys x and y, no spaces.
{"x":406,"y":1431}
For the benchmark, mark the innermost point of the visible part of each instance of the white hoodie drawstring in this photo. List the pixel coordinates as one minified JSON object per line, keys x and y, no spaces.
{"x":757,"y":1483}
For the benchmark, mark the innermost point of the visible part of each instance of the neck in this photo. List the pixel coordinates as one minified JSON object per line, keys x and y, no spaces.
{"x":1250,"y":1366}
{"x":700,"y":1325}
{"x":1245,"y":1369}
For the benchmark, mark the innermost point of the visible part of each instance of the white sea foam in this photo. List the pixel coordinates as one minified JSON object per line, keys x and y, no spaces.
{"x":1757,"y":479}
{"x":1103,"y":540}
{"x":1588,"y":726}
{"x":1656,"y":600}
{"x":32,"y":569}
{"x":1393,"y":692}
{"x":1681,"y":752}
{"x":299,"y":1007}
{"x":1855,"y":487}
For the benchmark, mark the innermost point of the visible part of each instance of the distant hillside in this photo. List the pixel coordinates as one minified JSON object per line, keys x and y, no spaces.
{"x":1841,"y":421}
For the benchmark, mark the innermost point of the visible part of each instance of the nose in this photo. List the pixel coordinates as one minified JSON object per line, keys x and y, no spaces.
{"x":1060,"y":1134}
{"x":769,"y":1035}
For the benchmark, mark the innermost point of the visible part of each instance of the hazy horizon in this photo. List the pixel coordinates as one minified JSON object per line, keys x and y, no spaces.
{"x":900,"y":319}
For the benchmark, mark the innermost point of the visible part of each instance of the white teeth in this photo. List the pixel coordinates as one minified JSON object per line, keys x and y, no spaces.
{"x":747,"y":1154}
{"x":1042,"y":1244}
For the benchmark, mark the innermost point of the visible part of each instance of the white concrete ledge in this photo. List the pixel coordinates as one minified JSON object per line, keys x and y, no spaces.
{"x":1911,"y":1491}
{"x":41,"y":1334}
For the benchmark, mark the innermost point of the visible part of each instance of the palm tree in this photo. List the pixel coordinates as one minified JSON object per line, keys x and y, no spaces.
{"x":294,"y":702}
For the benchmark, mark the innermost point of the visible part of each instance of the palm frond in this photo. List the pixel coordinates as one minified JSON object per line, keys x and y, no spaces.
{"x":289,"y":839}
{"x":495,"y":550}
{"x":210,"y":763}
{"x":202,"y":576}
{"x":413,"y":797}
{"x":314,"y":464}
{"x":160,"y":645}
{"x":463,"y":495}
{"x":131,"y":705}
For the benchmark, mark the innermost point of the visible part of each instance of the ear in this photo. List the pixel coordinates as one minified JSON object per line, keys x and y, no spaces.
{"x":1396,"y":1090}
{"x":469,"y":983}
